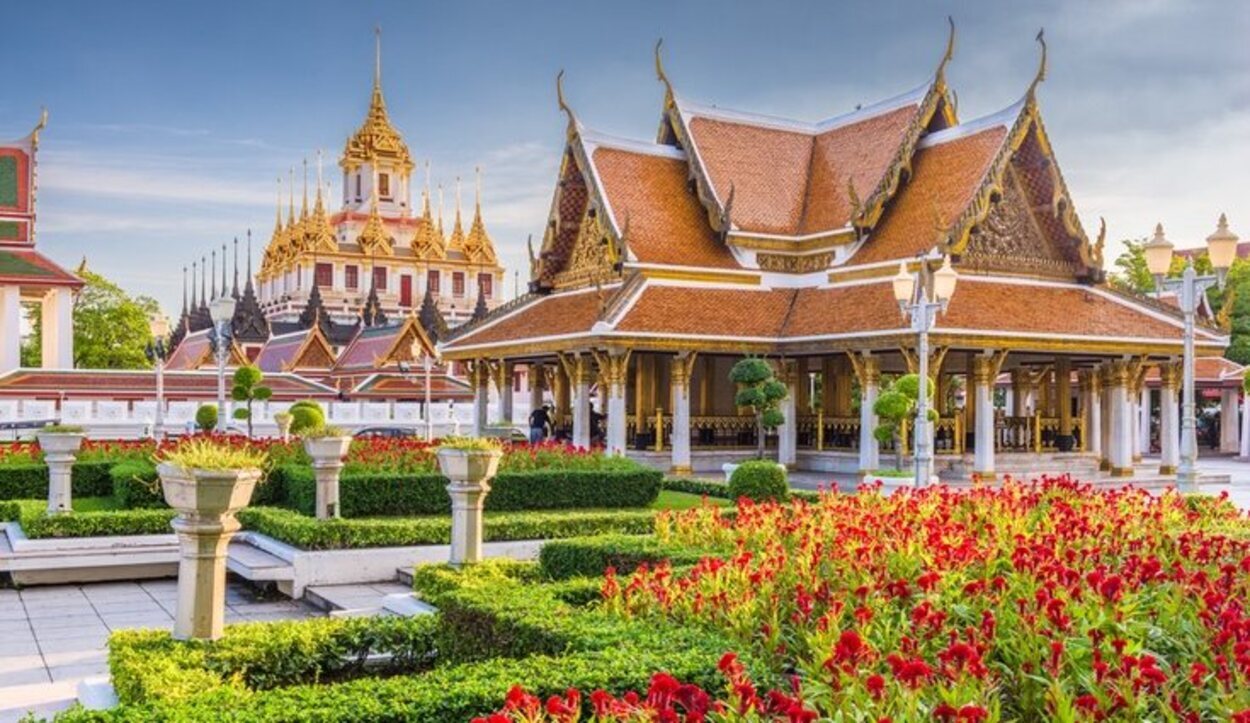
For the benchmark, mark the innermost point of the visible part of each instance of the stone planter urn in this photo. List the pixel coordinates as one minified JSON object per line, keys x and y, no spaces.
{"x":470,"y":472}
{"x":59,"y":451}
{"x":283,"y":420}
{"x":327,"y":461}
{"x":206,"y":502}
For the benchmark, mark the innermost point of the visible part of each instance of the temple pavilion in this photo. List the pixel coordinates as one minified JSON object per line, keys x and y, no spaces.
{"x":733,"y":233}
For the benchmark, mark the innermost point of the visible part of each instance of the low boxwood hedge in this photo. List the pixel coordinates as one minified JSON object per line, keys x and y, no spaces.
{"x":150,"y":664}
{"x":590,"y":556}
{"x":30,"y":480}
{"x":136,"y":485}
{"x":36,"y":523}
{"x":374,"y":495}
{"x":497,"y":630}
{"x":345,"y":533}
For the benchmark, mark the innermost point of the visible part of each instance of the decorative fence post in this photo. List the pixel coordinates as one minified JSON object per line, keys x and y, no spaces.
{"x":470,"y":471}
{"x":206,"y":501}
{"x":60,"y":447}
{"x":327,"y":453}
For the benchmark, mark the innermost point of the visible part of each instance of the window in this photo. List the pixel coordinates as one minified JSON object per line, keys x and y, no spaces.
{"x":379,"y":278}
{"x":384,"y":185}
{"x":357,"y":186}
{"x":324,"y":275}
{"x":486,"y":283}
{"x":457,"y":283}
{"x":431,"y":281}
{"x":351,"y":276}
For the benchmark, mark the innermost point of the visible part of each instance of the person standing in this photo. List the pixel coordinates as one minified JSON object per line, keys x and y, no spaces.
{"x":540,"y":422}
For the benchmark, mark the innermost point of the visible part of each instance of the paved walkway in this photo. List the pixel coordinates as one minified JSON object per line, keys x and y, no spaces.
{"x":53,"y":637}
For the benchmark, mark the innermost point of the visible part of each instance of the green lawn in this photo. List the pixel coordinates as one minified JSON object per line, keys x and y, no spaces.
{"x":670,"y":500}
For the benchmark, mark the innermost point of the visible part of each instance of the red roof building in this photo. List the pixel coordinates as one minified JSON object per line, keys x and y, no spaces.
{"x":735,"y":233}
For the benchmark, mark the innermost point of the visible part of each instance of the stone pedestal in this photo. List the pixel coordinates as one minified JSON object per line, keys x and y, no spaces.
{"x":283,"y":420}
{"x":470,"y":472}
{"x":59,"y":451}
{"x":206,"y":501}
{"x":327,"y":455}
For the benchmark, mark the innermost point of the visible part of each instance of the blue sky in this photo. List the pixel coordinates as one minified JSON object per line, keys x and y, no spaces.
{"x":171,"y":121}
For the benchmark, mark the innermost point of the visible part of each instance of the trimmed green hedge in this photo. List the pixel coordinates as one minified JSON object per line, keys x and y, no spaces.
{"x":136,"y":485}
{"x":30,"y":480}
{"x":36,"y":523}
{"x":761,"y":480}
{"x":150,"y":664}
{"x":376,"y":495}
{"x":312,"y":534}
{"x":498,"y":628}
{"x":590,"y":556}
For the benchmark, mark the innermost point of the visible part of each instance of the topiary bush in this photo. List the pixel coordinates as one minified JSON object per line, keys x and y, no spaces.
{"x":306,"y":414}
{"x":760,"y":390}
{"x":759,"y":480}
{"x":206,"y":417}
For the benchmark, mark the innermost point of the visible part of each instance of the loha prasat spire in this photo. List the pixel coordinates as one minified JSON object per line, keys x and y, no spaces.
{"x":377,"y":250}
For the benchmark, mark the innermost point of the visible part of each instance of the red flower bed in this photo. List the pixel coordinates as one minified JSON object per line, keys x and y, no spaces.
{"x":1044,"y":601}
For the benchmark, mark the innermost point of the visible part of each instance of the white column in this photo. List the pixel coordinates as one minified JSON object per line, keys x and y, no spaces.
{"x":580,"y":375}
{"x":788,"y":432}
{"x":537,"y":376}
{"x":682,"y":366}
{"x":1142,"y":424}
{"x":57,"y":312}
{"x":10,"y":328}
{"x":1106,"y":426}
{"x":868,"y":370}
{"x":1122,"y":412}
{"x":1229,"y":423}
{"x":983,"y":375}
{"x":1169,"y":418}
{"x":1245,"y":430}
{"x":1091,"y":432}
{"x":614,"y":367}
{"x":504,"y":382}
{"x":480,"y":378}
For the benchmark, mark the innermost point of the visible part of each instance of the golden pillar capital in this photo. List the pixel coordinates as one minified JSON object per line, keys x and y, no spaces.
{"x":1170,"y":374}
{"x":682,"y":369}
{"x":986,"y":368}
{"x":1118,"y":373}
{"x":867,"y":368}
{"x":479,"y":372}
{"x":613,"y":365}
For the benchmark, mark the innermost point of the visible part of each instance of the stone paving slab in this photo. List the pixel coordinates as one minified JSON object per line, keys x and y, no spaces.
{"x":53,"y":637}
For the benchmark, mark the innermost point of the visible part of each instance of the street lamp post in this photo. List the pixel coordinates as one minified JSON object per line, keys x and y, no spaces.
{"x":222,"y":311}
{"x":1221,"y":250}
{"x":427,"y":366}
{"x":157,"y":351}
{"x":921,"y":296}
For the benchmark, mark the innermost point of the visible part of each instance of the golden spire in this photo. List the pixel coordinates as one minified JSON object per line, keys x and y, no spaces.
{"x":274,"y":258}
{"x":373,"y":237}
{"x":440,"y":214}
{"x":303,"y":209}
{"x":456,"y":242}
{"x":319,"y":235}
{"x":290,"y":219}
{"x":427,"y":242}
{"x":376,"y":139}
{"x":478,"y":247}
{"x":425,"y":194}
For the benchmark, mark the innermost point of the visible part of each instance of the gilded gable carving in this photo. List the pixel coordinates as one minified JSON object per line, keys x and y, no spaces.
{"x":1010,"y":239}
{"x":594,"y":255}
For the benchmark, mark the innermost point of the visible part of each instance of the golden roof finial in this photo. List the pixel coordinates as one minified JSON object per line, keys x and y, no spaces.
{"x":564,"y":106}
{"x":425,"y":194}
{"x":478,"y":245}
{"x":278,"y":226}
{"x":456,"y":241}
{"x":320,"y":181}
{"x":376,"y":138}
{"x":659,"y":70}
{"x":440,"y":213}
{"x":1041,"y":65}
{"x":43,"y":123}
{"x":950,"y":48}
{"x":291,"y":204}
{"x":377,"y":57}
{"x":373,"y":236}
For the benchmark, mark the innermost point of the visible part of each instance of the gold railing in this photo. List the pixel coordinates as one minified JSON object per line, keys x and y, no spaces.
{"x":948,"y":435}
{"x":820,"y":433}
{"x":1033,"y":434}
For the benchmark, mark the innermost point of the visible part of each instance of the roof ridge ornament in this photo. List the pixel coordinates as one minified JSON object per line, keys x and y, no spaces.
{"x":950,"y":49}
{"x":1041,"y":66}
{"x":660,"y":74}
{"x":574,"y":124}
{"x":43,"y":123}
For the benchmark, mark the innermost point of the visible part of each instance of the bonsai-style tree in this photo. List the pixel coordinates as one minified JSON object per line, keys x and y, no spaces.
{"x":247,"y":388}
{"x":762,"y":392}
{"x":306,"y":414}
{"x":897,"y":404}
{"x":206,"y":417}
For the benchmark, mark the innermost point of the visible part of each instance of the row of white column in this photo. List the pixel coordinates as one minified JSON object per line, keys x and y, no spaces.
{"x":56,"y":310}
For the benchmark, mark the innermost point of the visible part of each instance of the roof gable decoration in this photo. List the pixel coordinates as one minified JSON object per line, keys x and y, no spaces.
{"x":410,"y":343}
{"x":1027,"y":128}
{"x":934,"y":104}
{"x":314,"y":352}
{"x":581,"y":243}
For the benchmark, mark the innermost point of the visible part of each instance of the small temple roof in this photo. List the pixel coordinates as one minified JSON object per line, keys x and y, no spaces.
{"x":377,"y":347}
{"x":300,"y":350}
{"x":141,"y":384}
{"x":196,"y":351}
{"x":22,"y":264}
{"x":389,"y":385}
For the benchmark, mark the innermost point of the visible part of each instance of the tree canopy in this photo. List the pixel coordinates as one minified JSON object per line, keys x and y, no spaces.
{"x":111,"y":328}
